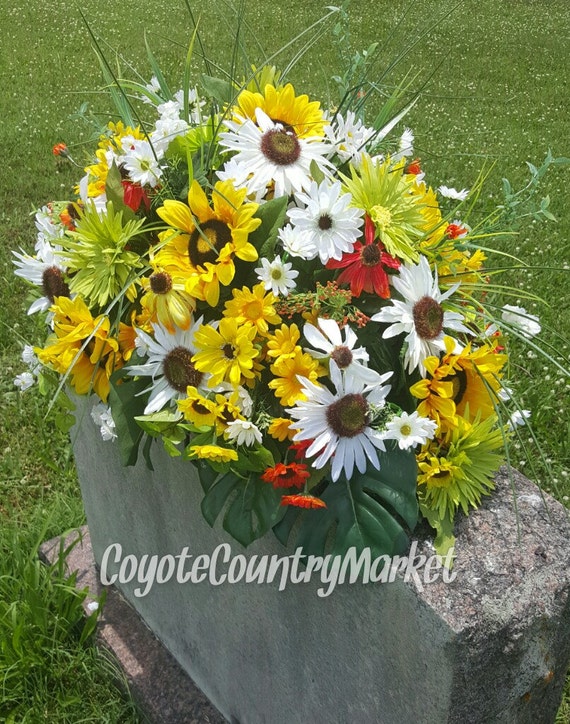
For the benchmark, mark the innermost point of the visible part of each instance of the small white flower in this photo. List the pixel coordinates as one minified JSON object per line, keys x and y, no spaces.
{"x":166,"y":129}
{"x":350,"y":137}
{"x":325,"y":215}
{"x":297,"y":242}
{"x":277,"y":276}
{"x":410,"y":430}
{"x":243,"y":432}
{"x":92,"y":606}
{"x":406,"y":143}
{"x":451,"y":193}
{"x":141,"y":162}
{"x":24,"y":381}
{"x":29,"y":358}
{"x":518,"y":418}
{"x":528,"y":324}
{"x":102,"y":417}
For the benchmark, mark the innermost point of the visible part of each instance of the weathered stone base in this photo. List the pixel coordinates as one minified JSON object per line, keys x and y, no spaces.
{"x":491,"y":647}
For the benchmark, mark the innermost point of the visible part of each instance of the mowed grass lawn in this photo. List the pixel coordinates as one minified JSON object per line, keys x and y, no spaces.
{"x":495,"y":80}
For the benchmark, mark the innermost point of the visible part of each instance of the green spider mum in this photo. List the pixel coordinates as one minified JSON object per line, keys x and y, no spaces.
{"x":456,"y":472}
{"x":98,"y":257}
{"x":383,"y":191}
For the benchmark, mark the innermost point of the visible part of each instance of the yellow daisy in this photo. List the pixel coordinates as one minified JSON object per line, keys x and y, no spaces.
{"x":215,"y":453}
{"x":167,"y":300}
{"x":227,"y":353}
{"x":283,"y":341}
{"x":197,"y":409}
{"x":253,"y":306}
{"x":287,"y":371}
{"x":280,"y":429}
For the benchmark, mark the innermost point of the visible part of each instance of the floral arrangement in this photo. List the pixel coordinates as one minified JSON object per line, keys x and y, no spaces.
{"x":272,"y":288}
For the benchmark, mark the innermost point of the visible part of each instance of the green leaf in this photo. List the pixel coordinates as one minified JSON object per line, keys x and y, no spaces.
{"x":251,"y":506}
{"x":272,"y":215}
{"x":221,"y":90}
{"x":126,"y":405}
{"x":373,"y":511}
{"x":444,"y":539}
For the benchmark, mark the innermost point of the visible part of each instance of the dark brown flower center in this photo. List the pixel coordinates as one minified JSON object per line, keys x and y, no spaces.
{"x":370,"y":254}
{"x":428,"y":318}
{"x":53,"y":283}
{"x":342,"y":356}
{"x":459,"y":383}
{"x":280,"y":147}
{"x":199,"y":408}
{"x":228,"y":350}
{"x":348,"y":416}
{"x":206,"y":242}
{"x":160,"y":282}
{"x":179,"y":369}
{"x":325,"y":222}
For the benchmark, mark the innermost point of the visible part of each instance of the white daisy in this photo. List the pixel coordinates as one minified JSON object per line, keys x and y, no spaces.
{"x":410,"y":430}
{"x":49,"y":228}
{"x":268,"y":153}
{"x":243,"y":432}
{"x":331,"y":225}
{"x":420,"y":316}
{"x":165,"y":130}
{"x":339,"y":424}
{"x":141,"y":162}
{"x":352,"y":360}
{"x":169,"y":364}
{"x":277,"y":276}
{"x":297,"y":242}
{"x":451,"y":193}
{"x":527,"y":324}
{"x":45,"y":270}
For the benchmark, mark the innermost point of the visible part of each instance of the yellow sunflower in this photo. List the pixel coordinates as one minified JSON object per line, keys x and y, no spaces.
{"x":298,"y":113}
{"x":464,"y":384}
{"x":197,"y":409}
{"x":208,"y":237}
{"x":215,"y":453}
{"x":81,"y":346}
{"x":167,"y":300}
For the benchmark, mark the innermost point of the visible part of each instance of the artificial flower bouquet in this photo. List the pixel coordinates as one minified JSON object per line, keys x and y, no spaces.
{"x":272,"y":288}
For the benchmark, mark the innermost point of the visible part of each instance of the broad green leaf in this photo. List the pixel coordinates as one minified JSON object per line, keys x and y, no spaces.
{"x":374,"y":511}
{"x":251,"y":506}
{"x":221,"y":90}
{"x":126,"y":405}
{"x":272,"y":215}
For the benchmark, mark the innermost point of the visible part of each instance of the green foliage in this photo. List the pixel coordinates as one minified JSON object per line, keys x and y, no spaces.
{"x":375,"y":510}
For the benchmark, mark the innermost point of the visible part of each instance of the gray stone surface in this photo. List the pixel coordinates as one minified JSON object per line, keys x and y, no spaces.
{"x":492,"y":647}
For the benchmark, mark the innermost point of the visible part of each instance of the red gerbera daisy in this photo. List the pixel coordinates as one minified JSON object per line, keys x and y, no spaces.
{"x":300,"y":448}
{"x":286,"y":476}
{"x":365,"y":267}
{"x":303,"y":501}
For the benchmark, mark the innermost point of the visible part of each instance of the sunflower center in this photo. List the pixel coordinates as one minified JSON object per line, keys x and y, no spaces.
{"x":280,"y":147}
{"x":179,"y":370}
{"x":370,"y":254}
{"x":381,"y":216}
{"x":325,"y":222}
{"x":206,"y":242}
{"x":428,"y":318}
{"x":348,"y":416}
{"x":342,"y":356}
{"x":160,"y":282}
{"x":199,"y":408}
{"x":228,"y":350}
{"x":459,"y":385}
{"x":53,"y":284}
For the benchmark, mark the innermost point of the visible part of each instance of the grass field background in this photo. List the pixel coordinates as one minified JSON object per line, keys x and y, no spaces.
{"x":495,"y":80}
